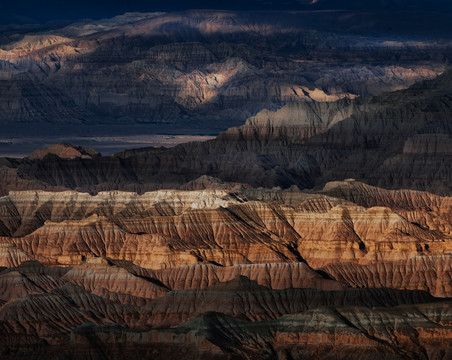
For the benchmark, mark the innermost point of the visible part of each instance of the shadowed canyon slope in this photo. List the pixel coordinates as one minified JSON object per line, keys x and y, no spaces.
{"x":351,"y":269}
{"x":209,"y":70}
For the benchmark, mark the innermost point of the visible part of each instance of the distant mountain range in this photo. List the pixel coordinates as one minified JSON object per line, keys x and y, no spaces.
{"x":26,"y":12}
{"x":219,"y":262}
{"x":209,"y":70}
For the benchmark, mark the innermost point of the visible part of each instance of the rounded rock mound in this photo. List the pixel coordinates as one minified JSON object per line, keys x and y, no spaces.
{"x":64,"y":151}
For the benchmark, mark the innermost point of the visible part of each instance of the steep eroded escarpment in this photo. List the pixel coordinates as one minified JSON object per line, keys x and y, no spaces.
{"x":395,"y":140}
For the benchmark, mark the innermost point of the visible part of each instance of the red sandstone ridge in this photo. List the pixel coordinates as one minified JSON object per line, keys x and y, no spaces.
{"x":64,"y":151}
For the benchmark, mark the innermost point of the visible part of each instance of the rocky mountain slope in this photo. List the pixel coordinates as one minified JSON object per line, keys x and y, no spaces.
{"x":163,"y":229}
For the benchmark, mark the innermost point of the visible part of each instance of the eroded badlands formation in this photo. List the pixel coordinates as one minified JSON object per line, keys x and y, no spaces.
{"x":395,"y":140}
{"x":350,"y":270}
{"x":209,"y":70}
{"x":246,"y":246}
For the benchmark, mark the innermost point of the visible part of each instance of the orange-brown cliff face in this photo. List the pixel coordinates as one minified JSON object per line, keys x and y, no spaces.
{"x":351,"y":269}
{"x":167,"y":229}
{"x":46,"y":308}
{"x":186,"y":237}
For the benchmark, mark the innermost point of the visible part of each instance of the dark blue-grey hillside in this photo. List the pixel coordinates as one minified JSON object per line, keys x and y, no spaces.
{"x":396,"y":140}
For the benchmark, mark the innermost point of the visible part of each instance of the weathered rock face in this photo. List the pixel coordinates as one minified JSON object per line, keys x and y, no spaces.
{"x":348,"y":222}
{"x":100,"y":276}
{"x":360,"y":333}
{"x":431,"y":273}
{"x":357,"y":332}
{"x":294,"y":122}
{"x":273,"y":276}
{"x":187,"y":69}
{"x":11,"y":256}
{"x":44,"y":304}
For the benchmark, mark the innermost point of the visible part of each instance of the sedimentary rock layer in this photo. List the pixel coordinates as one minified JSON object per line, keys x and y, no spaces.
{"x":226,"y":273}
{"x":45,"y":309}
{"x":174,"y":228}
{"x":46,"y":314}
{"x":186,"y":236}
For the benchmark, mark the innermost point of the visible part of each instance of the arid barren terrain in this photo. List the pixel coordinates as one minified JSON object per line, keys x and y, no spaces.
{"x":351,"y":270}
{"x":315,"y":222}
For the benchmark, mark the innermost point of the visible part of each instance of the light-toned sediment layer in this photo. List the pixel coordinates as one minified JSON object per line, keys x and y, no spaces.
{"x":167,"y":229}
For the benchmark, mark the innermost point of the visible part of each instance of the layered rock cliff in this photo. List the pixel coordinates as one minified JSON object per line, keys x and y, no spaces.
{"x":226,"y":273}
{"x":174,"y":228}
